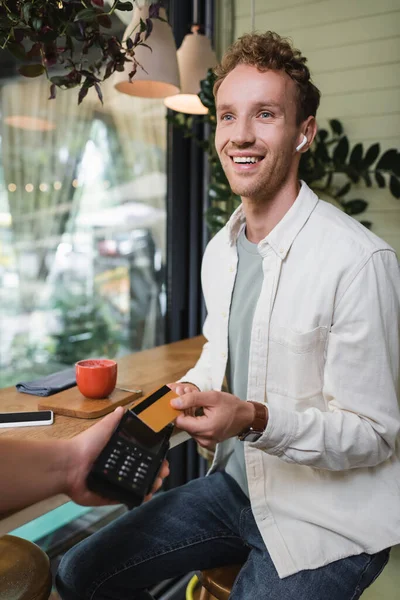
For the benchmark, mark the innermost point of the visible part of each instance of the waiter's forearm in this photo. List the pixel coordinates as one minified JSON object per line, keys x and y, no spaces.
{"x":31,"y":471}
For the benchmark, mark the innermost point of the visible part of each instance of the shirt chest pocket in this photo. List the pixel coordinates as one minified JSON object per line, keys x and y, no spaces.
{"x":296,"y":362}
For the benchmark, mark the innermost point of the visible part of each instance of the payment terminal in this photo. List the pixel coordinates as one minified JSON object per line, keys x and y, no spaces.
{"x":128,"y":465}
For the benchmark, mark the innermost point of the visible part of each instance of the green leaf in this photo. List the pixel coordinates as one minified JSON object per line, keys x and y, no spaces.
{"x":366,"y":224}
{"x":69,"y":45}
{"x":387,"y":161}
{"x":20,"y":34}
{"x":87,"y":14}
{"x":343,"y":190}
{"x":306,"y":165}
{"x":341,"y":151}
{"x":65,"y":81}
{"x":394,"y":186}
{"x":180,"y":119}
{"x":149,"y":28}
{"x":204,"y":145}
{"x":216,"y":211}
{"x":37,"y":23}
{"x":59,"y":80}
{"x":396,"y":165}
{"x":35,"y":50}
{"x":52,"y":92}
{"x":104,"y":20}
{"x":355,"y":207}
{"x":380,"y":180}
{"x":132,"y":73}
{"x":356,"y":156}
{"x":173,"y":119}
{"x":352,"y":173}
{"x":367,"y":178}
{"x":371,"y":156}
{"x":26,"y":11}
{"x":219,"y":191}
{"x":321,"y":153}
{"x":336,"y":126}
{"x":124,"y":6}
{"x":323,"y":134}
{"x":99,"y":92}
{"x":83,"y":92}
{"x":31,"y":70}
{"x":219,"y":174}
{"x":76,"y":31}
{"x":206,"y":100}
{"x":206,"y":86}
{"x":214,"y":224}
{"x":17,"y":49}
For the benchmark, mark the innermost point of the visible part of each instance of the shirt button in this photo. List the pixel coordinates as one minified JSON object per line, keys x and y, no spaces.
{"x":231,"y":268}
{"x":223,"y":315}
{"x":281,"y":250}
{"x":223,"y":355}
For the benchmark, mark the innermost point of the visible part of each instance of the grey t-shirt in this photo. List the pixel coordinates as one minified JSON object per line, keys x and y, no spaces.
{"x":248,"y":282}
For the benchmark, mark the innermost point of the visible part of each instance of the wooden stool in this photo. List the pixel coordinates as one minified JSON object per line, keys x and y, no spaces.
{"x":24,"y":570}
{"x":217,"y":583}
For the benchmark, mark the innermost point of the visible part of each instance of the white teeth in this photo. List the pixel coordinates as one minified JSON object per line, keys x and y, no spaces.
{"x":246,"y":159}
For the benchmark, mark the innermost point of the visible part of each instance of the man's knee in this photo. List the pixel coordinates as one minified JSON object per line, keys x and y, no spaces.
{"x":72,"y":575}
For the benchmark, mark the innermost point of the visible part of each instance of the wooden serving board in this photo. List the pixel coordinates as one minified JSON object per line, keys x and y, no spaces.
{"x":71,"y":403}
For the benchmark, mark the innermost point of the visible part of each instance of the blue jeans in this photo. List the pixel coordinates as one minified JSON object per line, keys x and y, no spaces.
{"x":203,"y":524}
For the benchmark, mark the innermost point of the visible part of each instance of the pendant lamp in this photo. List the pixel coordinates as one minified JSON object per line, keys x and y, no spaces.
{"x":195,"y":57}
{"x":159,"y":76}
{"x":29,"y":123}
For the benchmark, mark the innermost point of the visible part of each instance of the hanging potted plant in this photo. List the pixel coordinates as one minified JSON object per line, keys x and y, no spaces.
{"x":74,"y":35}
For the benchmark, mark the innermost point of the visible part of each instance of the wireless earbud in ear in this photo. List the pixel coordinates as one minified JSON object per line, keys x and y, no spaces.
{"x":302,"y":144}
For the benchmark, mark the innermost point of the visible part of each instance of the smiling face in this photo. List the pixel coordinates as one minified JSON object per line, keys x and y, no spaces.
{"x":257,"y":132}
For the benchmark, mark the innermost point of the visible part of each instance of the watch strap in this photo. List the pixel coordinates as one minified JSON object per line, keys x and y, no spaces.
{"x":259,"y":422}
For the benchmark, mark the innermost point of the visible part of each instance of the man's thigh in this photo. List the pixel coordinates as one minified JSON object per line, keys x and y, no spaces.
{"x":343,"y":579}
{"x":192,"y":527}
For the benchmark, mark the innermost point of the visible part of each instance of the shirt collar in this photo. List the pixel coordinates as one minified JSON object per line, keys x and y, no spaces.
{"x":284,"y":233}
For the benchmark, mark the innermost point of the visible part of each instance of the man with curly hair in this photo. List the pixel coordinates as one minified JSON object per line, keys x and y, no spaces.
{"x":303,"y":316}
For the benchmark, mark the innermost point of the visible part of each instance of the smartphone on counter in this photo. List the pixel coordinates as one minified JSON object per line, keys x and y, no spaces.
{"x":26,"y":419}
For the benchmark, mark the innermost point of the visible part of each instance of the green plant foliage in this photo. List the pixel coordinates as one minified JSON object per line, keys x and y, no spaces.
{"x":48,"y":33}
{"x":330,"y":160}
{"x":330,"y":167}
{"x":85,"y":329}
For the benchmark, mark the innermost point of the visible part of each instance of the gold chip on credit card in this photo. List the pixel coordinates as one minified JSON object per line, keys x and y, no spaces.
{"x":155,"y":409}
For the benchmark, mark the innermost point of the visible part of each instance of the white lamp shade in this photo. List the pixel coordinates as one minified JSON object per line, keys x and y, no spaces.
{"x":195,"y":57}
{"x":160,"y":74}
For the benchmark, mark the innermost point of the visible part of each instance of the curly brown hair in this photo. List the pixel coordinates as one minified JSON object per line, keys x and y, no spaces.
{"x":271,"y":51}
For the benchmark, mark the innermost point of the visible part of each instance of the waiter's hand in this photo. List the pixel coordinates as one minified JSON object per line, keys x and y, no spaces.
{"x":80,"y":454}
{"x":164,"y":472}
{"x":224,"y":416}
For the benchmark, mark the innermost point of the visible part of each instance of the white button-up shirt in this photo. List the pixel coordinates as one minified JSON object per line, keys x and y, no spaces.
{"x":324,"y":478}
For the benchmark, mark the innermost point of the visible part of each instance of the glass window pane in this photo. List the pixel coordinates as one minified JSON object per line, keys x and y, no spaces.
{"x":82,"y":227}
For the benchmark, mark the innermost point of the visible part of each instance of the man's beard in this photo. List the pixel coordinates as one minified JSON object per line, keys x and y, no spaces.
{"x":265,"y":186}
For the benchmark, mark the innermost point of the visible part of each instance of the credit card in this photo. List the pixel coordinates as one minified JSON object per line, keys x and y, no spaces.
{"x":155,"y":409}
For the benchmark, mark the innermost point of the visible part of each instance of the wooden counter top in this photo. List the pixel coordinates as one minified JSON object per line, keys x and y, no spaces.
{"x":145,"y":370}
